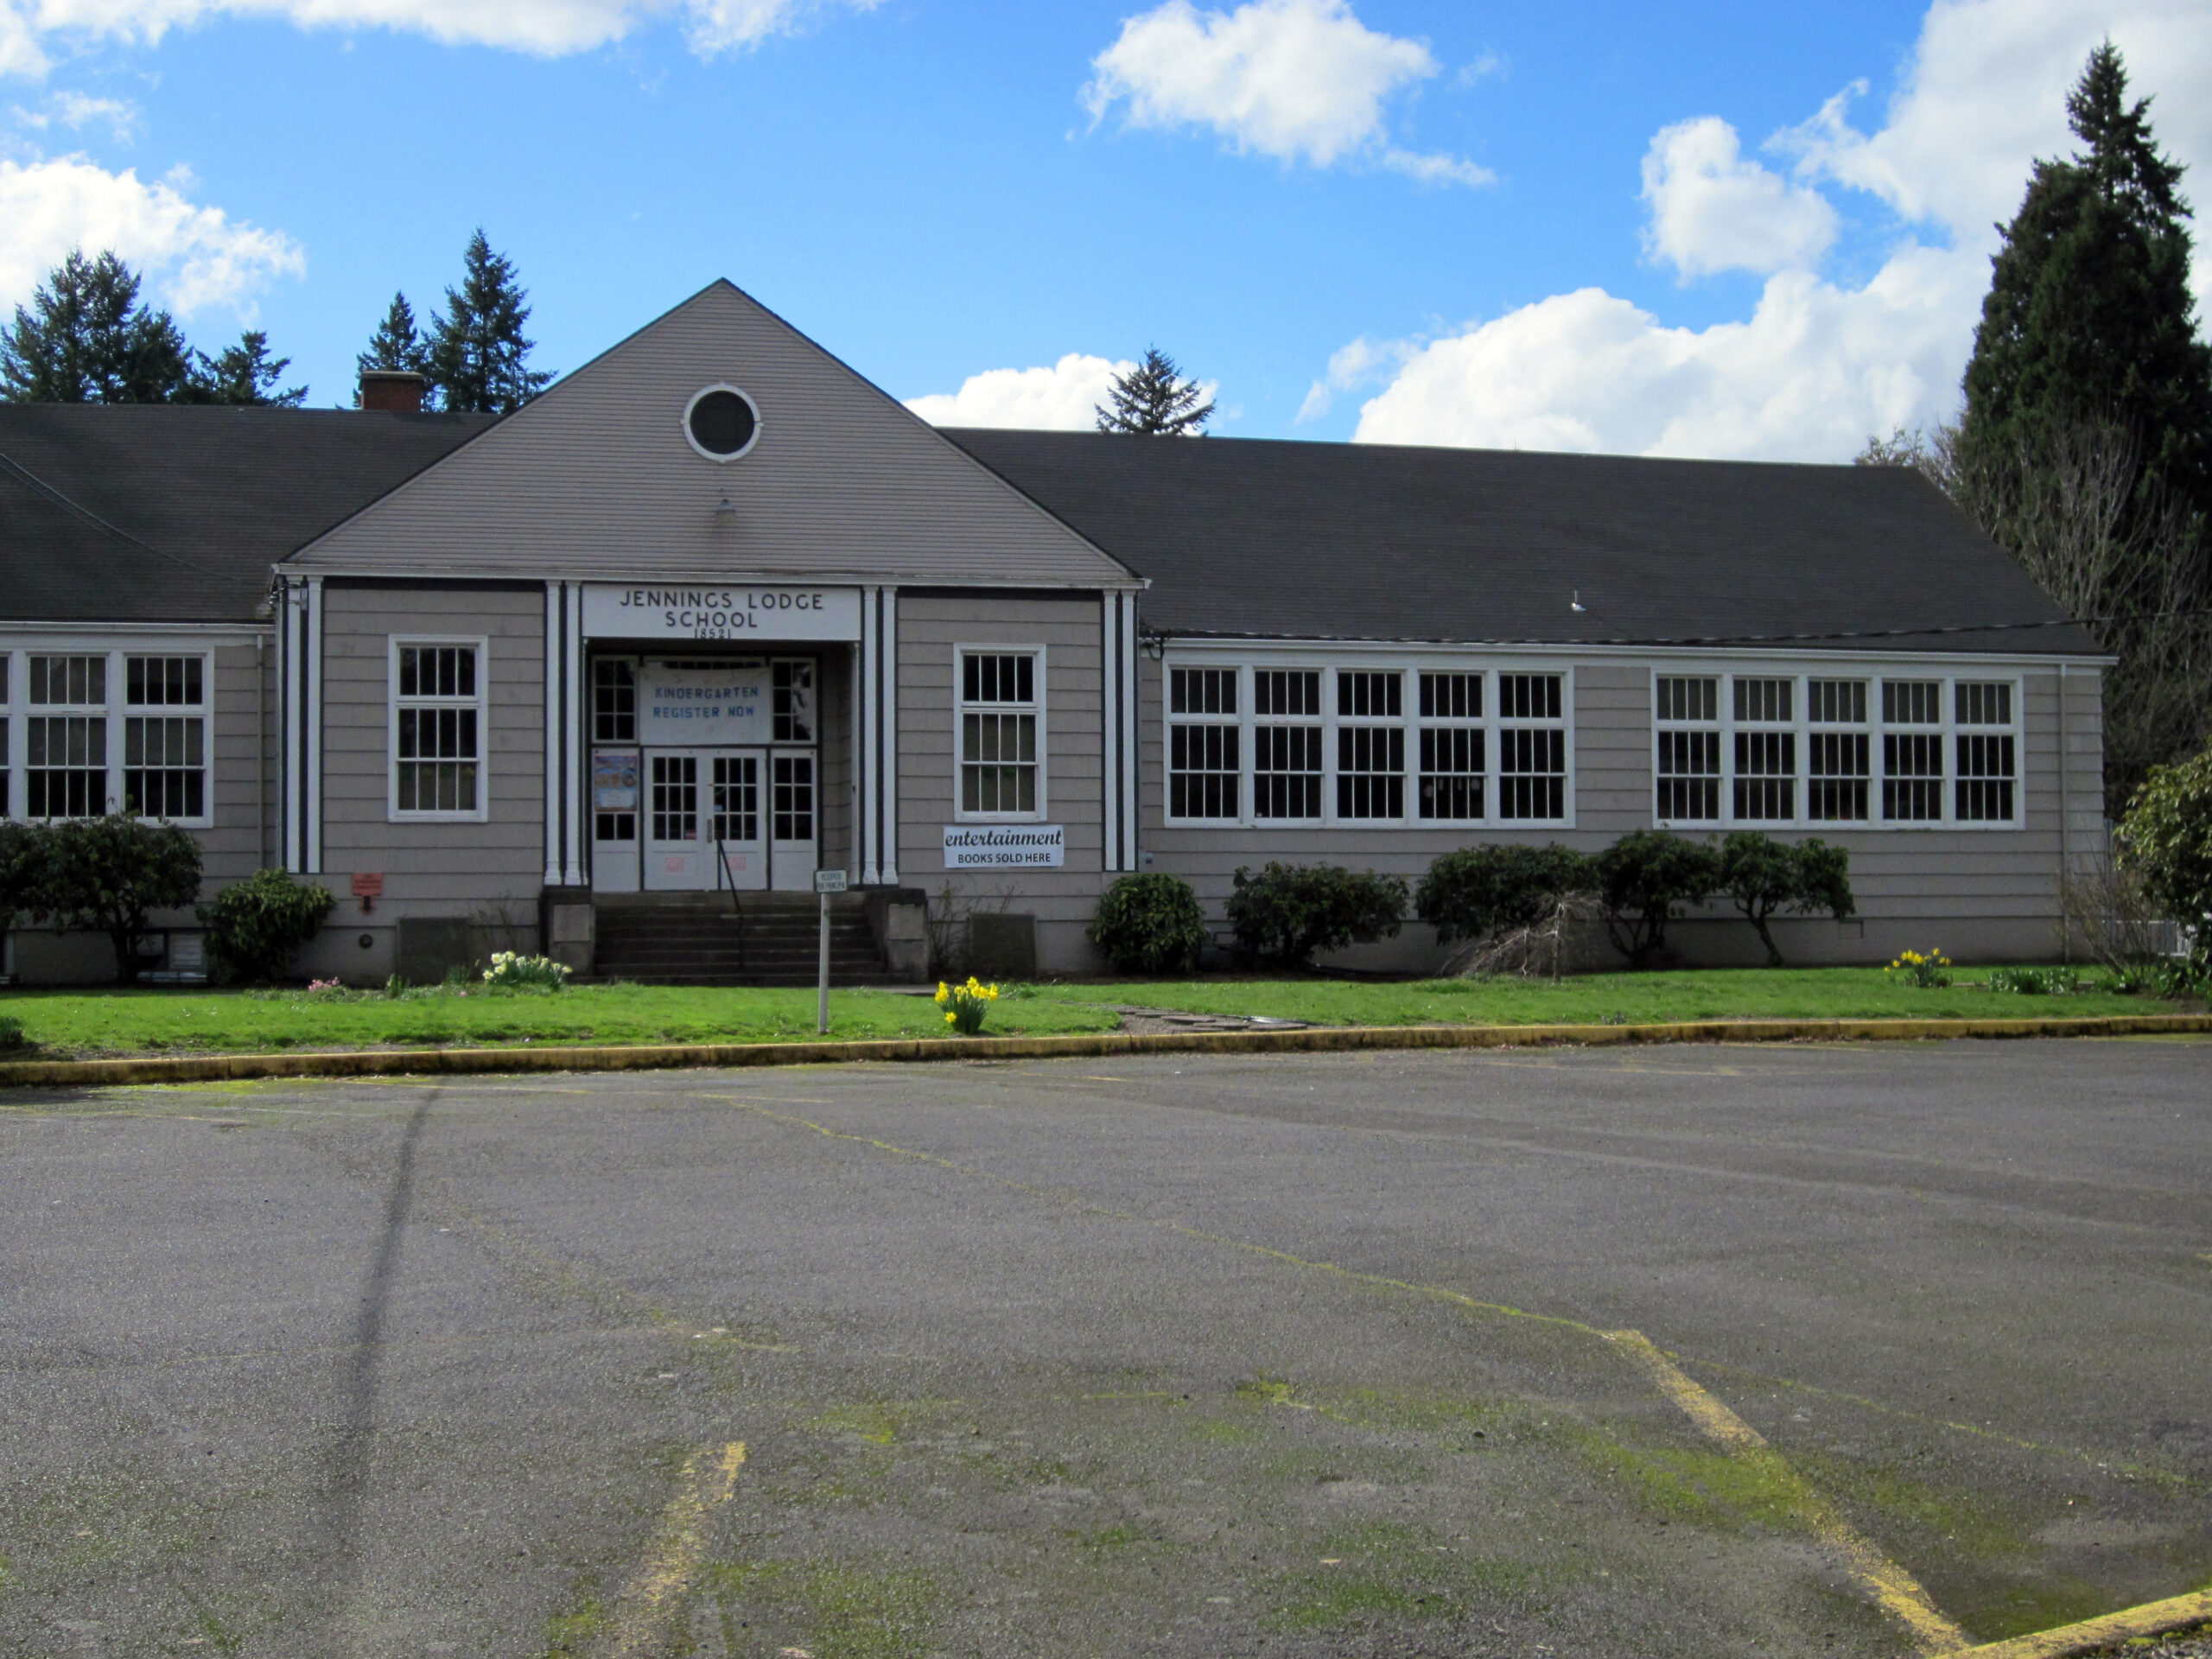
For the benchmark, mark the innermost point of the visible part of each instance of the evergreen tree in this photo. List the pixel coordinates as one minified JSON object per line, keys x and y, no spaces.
{"x":2089,"y":316}
{"x":395,"y":345}
{"x":85,"y":339}
{"x":477,"y":359}
{"x":244,"y":374}
{"x":1153,"y":399}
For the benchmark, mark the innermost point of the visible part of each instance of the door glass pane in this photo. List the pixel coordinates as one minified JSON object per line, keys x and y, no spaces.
{"x":676,"y":798}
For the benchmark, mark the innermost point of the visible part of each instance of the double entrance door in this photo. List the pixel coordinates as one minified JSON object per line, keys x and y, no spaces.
{"x":741,"y":818}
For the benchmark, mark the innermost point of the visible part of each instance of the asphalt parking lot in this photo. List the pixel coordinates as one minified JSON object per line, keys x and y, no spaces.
{"x":1154,"y":1355}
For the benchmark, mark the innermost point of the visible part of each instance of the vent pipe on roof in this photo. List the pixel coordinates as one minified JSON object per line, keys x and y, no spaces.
{"x":395,"y":392}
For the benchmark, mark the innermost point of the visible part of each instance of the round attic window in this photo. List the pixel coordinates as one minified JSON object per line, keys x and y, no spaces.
{"x":720,"y":423}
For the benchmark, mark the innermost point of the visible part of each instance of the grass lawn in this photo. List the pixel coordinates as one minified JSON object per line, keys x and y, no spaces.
{"x":89,"y":1023}
{"x":1594,"y":999}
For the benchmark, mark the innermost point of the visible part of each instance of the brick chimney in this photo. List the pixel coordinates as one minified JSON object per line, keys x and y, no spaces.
{"x":395,"y":392}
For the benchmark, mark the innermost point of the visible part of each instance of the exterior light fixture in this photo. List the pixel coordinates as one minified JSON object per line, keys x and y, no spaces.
{"x":1151,"y":641}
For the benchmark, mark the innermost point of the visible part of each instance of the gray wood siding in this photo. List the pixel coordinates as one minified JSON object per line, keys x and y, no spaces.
{"x":433,"y":868}
{"x":1948,"y":887}
{"x":595,"y":479}
{"x":929,"y":626}
{"x":834,"y":732}
{"x":242,"y":783}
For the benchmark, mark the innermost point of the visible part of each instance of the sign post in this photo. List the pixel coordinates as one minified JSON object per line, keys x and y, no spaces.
{"x":825,"y":883}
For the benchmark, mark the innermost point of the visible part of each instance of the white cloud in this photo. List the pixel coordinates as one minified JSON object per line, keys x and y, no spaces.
{"x":77,"y":110}
{"x":1363,"y":363}
{"x":193,"y":256}
{"x":1295,"y":79}
{"x":1063,"y":397}
{"x":1819,"y":363}
{"x":546,"y":27}
{"x":1711,"y":210}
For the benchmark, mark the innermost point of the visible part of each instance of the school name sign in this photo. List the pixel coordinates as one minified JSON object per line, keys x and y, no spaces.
{"x":696,"y":610}
{"x":1005,"y":846}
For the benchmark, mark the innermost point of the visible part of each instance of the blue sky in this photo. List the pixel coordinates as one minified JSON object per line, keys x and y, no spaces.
{"x":936,"y":190}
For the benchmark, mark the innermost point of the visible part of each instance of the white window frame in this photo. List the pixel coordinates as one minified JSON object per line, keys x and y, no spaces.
{"x":1037,"y":706}
{"x":1945,"y":676}
{"x":482,"y":704}
{"x":1332,"y":661}
{"x":1232,"y":721}
{"x":16,"y":712}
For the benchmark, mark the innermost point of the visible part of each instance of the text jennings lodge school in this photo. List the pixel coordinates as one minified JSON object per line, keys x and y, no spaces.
{"x":713,"y":613}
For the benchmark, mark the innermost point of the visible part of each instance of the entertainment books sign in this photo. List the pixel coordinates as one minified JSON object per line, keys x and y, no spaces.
{"x":1005,"y":846}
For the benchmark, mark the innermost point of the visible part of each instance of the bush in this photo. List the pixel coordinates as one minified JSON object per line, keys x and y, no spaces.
{"x":11,"y":1033}
{"x":1642,"y":878}
{"x":2165,"y":841}
{"x":516,"y":972}
{"x":1149,"y":925}
{"x":1764,"y":875}
{"x":1286,"y":912}
{"x":2035,"y":982}
{"x":106,"y":874}
{"x":255,"y":926}
{"x":22,"y":863}
{"x":1481,"y":891}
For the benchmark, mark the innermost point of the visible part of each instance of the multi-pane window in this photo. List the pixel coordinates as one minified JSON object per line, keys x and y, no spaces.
{"x":1689,"y":748}
{"x":1839,"y":751}
{"x":1453,"y":759}
{"x":675,"y":797}
{"x":613,"y":700}
{"x":65,"y":745}
{"x":1766,"y":750}
{"x":437,"y":729}
{"x":1986,"y":759}
{"x":792,"y":696}
{"x":737,"y":797}
{"x":1531,"y":746}
{"x":1370,"y":745}
{"x":791,"y":796}
{"x":1204,"y":767}
{"x":165,"y":755}
{"x":1001,"y":712}
{"x":1287,"y":744}
{"x":1912,"y":761}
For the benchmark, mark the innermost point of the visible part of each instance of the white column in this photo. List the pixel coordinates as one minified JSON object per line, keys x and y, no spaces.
{"x":576,"y":807}
{"x":867,"y":825}
{"x":1132,"y":733}
{"x":855,"y":697}
{"x":311,"y":646}
{"x":890,"y":721}
{"x":553,"y":636}
{"x":1110,"y":731}
{"x":288,"y":722}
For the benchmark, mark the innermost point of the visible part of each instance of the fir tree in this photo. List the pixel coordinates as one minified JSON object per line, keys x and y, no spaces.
{"x":244,"y":374}
{"x":395,"y":345}
{"x":478,"y":358}
{"x":85,"y":339}
{"x":2089,"y":316}
{"x":1153,"y":399}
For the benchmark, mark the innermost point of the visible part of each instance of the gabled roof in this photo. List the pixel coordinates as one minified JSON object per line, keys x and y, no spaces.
{"x":151,"y":514}
{"x":1339,"y":541}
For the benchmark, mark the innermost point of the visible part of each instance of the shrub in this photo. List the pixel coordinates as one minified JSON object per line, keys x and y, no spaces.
{"x":2165,"y":841}
{"x":1764,"y":875}
{"x":254,"y":927}
{"x":1286,"y":912}
{"x":1149,"y":925}
{"x":2035,"y":982}
{"x":22,"y":862}
{"x":11,"y":1033}
{"x":1481,"y":891}
{"x":1642,"y":878}
{"x":513,"y":971}
{"x":1930,"y":969}
{"x":965,"y":1005}
{"x":106,"y":874}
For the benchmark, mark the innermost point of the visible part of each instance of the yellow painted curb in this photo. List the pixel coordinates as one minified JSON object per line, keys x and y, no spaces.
{"x":222,"y":1068}
{"x":2153,"y":1619}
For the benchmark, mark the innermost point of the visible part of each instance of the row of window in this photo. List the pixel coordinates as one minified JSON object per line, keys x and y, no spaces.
{"x":73,"y":767}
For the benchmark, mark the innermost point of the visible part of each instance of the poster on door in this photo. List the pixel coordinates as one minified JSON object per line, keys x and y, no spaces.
{"x":615,"y":780}
{"x":704,"y":704}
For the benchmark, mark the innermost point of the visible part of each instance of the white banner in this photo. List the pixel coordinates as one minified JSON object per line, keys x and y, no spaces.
{"x":1004,"y":846}
{"x":704,"y":704}
{"x":720,"y":610}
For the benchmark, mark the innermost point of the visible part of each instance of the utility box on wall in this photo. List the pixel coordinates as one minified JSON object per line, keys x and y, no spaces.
{"x":569,"y":928}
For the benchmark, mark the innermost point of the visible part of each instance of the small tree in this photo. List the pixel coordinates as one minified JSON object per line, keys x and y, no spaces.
{"x":1149,"y":925}
{"x":1154,"y":400}
{"x":245,"y":375}
{"x":256,"y":926}
{"x":1642,"y":878}
{"x":2166,"y":841}
{"x":1764,"y":876}
{"x":1478,"y":892}
{"x":1286,"y":912}
{"x":478,"y":356}
{"x":107,"y":874}
{"x":397,"y":344}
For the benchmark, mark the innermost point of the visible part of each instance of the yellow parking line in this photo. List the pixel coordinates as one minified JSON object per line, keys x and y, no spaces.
{"x":667,"y":1570}
{"x":1894,"y":1590}
{"x":2092,"y":1636}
